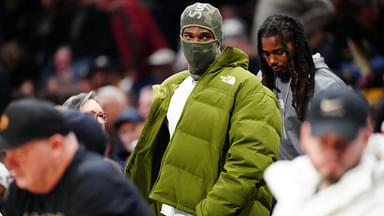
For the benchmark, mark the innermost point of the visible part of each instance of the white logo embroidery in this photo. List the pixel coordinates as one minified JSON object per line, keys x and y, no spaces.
{"x":200,"y":7}
{"x":332,"y":107}
{"x":228,"y":79}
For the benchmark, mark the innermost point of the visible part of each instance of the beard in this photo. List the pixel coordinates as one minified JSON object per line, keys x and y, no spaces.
{"x":284,"y":78}
{"x":281,"y":72}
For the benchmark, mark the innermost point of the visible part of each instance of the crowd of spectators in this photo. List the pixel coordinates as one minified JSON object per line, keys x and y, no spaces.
{"x":102,"y":57}
{"x":53,"y":49}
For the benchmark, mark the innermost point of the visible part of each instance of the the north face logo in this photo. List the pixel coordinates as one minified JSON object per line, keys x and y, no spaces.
{"x":228,"y":79}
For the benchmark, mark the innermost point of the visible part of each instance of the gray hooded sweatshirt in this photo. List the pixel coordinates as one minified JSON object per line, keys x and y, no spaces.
{"x":324,"y":79}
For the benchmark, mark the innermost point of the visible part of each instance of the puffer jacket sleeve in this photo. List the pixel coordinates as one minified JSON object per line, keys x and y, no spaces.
{"x":254,"y":139}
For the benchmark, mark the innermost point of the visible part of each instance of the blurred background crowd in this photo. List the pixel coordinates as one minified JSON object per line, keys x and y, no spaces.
{"x":53,"y":49}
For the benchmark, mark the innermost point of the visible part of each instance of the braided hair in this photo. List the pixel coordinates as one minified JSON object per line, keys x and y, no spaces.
{"x":300,"y":63}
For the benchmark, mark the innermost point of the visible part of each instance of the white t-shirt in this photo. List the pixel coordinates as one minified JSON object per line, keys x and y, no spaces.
{"x":177,"y":103}
{"x":175,"y":110}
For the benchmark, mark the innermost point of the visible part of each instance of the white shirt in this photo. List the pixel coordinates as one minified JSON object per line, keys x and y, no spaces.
{"x":177,"y":103}
{"x":176,"y":107}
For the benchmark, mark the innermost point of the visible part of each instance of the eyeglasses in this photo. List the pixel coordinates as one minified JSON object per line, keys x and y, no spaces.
{"x":102,"y":117}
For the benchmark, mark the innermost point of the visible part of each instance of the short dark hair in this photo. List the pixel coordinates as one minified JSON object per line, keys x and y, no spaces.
{"x":301,"y":67}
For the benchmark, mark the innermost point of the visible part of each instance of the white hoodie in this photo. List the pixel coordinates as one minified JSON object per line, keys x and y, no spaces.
{"x":360,"y":192}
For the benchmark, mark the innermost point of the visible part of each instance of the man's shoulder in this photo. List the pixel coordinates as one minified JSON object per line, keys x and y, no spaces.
{"x":326,"y":79}
{"x":251,"y":83}
{"x":327,"y":74}
{"x":176,"y":78}
{"x":101,"y":187}
{"x":243,"y":77}
{"x":239,"y":71}
{"x":323,"y":73}
{"x":92,"y":174}
{"x":90,"y":165}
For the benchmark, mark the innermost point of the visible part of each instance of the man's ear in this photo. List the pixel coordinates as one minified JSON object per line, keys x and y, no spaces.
{"x":367,"y":132}
{"x":56,"y":143}
{"x":305,"y":134}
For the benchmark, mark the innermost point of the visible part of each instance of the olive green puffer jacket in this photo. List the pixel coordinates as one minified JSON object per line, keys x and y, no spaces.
{"x":228,"y":133}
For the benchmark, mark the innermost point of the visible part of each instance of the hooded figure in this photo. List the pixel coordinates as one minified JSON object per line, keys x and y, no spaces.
{"x":200,"y":55}
{"x":211,"y":130}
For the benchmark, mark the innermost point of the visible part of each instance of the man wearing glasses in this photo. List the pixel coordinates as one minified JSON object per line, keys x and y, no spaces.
{"x":87,"y":102}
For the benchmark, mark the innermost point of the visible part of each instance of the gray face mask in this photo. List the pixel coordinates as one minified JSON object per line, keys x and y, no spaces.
{"x":200,"y":56}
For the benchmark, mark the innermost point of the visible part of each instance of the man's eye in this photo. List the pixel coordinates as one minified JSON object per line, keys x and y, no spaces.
{"x":187,"y":37}
{"x":279,"y":52}
{"x":207,"y":37}
{"x":265,"y":55}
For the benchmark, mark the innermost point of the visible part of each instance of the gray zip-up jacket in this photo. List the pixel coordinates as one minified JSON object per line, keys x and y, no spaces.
{"x":324,"y":79}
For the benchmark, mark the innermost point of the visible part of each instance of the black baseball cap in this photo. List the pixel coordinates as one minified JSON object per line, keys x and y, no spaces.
{"x":341,"y":111}
{"x":87,"y":130}
{"x":27,"y":119}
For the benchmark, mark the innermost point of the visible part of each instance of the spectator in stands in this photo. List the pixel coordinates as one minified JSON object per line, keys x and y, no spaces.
{"x":335,"y":177}
{"x":87,"y":102}
{"x":53,"y":174}
{"x":288,"y":68}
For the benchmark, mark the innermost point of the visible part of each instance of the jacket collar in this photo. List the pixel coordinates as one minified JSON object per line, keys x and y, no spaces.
{"x":230,"y":57}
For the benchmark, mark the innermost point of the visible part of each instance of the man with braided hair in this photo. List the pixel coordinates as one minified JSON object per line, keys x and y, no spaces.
{"x":289,"y":69}
{"x":211,"y":131}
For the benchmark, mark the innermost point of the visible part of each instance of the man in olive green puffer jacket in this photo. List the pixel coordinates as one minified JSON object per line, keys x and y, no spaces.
{"x":211,"y":131}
